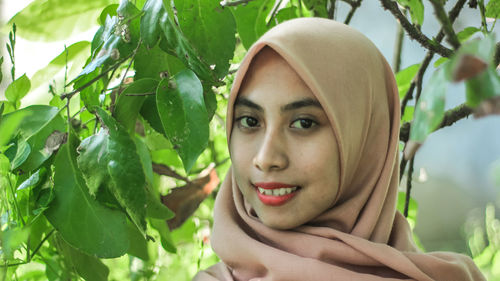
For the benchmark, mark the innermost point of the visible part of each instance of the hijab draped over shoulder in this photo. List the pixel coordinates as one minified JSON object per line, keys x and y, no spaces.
{"x":361,"y":236}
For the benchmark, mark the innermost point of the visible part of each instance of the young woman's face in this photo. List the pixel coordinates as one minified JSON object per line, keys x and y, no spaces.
{"x":284,"y":153}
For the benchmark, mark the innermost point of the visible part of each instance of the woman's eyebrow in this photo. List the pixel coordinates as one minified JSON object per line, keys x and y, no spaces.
{"x":301,"y":103}
{"x":240,"y":101}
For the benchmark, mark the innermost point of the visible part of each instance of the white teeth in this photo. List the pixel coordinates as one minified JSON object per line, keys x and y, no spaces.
{"x":277,"y":191}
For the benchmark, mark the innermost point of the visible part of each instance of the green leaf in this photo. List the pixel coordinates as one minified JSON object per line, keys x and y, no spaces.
{"x":430,"y":107}
{"x":150,"y":113}
{"x":484,"y":86}
{"x":74,"y":56}
{"x":166,"y":239}
{"x":12,"y":239}
{"x":110,"y":10}
{"x":287,"y":13}
{"x":183,"y":114}
{"x":318,"y":7}
{"x":125,"y":169}
{"x":57,"y":19}
{"x":129,"y":103}
{"x":440,"y":61}
{"x":93,"y":161}
{"x":83,"y":222}
{"x":33,"y":180}
{"x":211,"y":30}
{"x":408,"y":115}
{"x":467,"y":33}
{"x":251,"y":20}
{"x":88,"y":267}
{"x":416,"y":8}
{"x":18,"y":89}
{"x":150,"y":30}
{"x":22,"y":150}
{"x":156,"y":209}
{"x":155,"y":63}
{"x":175,"y":42}
{"x":138,"y":245}
{"x":119,"y":37}
{"x":147,"y":164}
{"x":493,"y":9}
{"x":404,"y":78}
{"x":34,"y":124}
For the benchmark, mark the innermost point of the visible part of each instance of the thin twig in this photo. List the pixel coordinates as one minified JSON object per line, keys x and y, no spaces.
{"x":415,"y":33}
{"x":399,"y":46}
{"x":331,"y":9}
{"x":408,"y":187}
{"x":167,"y":171}
{"x":141,"y":94}
{"x":446,"y":24}
{"x":226,"y":3}
{"x":273,"y":12}
{"x":450,"y":117}
{"x":482,"y":10}
{"x":354,"y":6}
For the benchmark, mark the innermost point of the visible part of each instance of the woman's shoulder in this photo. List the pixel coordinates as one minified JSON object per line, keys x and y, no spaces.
{"x":217,"y":272}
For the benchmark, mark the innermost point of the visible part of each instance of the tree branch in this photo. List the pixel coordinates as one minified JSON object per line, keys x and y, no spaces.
{"x":408,"y":187}
{"x":354,"y":6}
{"x":446,"y":24}
{"x":167,"y":171}
{"x":413,"y":32}
{"x":399,"y":46}
{"x":451,"y":116}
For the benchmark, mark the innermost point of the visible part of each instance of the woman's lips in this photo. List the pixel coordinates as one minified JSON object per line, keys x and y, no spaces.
{"x":275,"y":193}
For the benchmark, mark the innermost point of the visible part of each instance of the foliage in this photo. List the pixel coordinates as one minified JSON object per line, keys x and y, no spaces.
{"x":87,"y":181}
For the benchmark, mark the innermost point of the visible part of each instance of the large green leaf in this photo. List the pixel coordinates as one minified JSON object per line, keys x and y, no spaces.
{"x":57,"y":19}
{"x":175,"y":42}
{"x":183,"y":114}
{"x":154,"y":63}
{"x":88,"y":267}
{"x":18,"y":89}
{"x":251,"y":20}
{"x":111,"y":157}
{"x":118,"y":38}
{"x":35,"y":124}
{"x":150,"y":29}
{"x":166,"y":239}
{"x":82,"y":221}
{"x":130,"y":102}
{"x":429,"y":111}
{"x":210,"y":29}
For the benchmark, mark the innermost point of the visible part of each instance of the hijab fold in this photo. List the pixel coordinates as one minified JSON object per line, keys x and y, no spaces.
{"x":361,"y":236}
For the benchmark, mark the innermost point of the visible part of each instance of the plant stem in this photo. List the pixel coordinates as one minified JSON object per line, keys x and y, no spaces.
{"x":415,"y":33}
{"x":20,"y":216}
{"x":408,"y":187}
{"x":274,"y":11}
{"x":482,"y":10}
{"x":446,"y":24}
{"x":354,"y":6}
{"x":331,"y":9}
{"x":399,"y":46}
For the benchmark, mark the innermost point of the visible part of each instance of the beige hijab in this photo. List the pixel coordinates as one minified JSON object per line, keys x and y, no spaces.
{"x":362,"y":236}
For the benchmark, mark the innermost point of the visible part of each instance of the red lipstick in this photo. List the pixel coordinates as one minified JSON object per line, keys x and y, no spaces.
{"x":275,"y":193}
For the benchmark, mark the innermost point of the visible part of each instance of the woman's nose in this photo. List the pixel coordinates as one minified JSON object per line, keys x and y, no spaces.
{"x":271,"y":154}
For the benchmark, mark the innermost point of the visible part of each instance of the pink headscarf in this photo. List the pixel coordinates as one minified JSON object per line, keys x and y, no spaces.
{"x":362,"y":236}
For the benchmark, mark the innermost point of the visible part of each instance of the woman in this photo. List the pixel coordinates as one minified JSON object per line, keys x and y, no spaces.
{"x":313,"y":127}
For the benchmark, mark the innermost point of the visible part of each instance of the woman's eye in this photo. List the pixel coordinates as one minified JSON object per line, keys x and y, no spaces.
{"x":303,"y":124}
{"x":248,"y":122}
